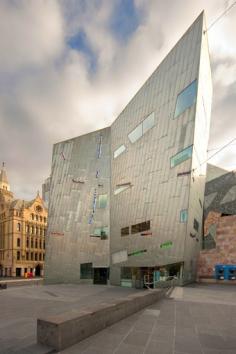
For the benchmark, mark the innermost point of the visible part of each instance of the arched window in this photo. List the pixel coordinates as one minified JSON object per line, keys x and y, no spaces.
{"x":18,"y":227}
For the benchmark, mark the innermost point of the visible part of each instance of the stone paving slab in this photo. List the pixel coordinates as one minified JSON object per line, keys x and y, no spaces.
{"x":187,"y":324}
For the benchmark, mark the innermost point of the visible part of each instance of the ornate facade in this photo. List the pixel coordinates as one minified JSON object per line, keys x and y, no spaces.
{"x":22,"y":233}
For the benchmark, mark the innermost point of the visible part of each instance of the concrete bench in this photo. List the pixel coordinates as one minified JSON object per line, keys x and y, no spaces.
{"x":62,"y":331}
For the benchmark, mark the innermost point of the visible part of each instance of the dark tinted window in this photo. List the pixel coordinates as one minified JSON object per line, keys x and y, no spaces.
{"x":143,"y":226}
{"x":196,"y":225}
{"x":125,"y":231}
{"x":86,"y":271}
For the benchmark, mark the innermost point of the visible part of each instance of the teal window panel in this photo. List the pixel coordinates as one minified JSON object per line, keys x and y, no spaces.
{"x":184,"y":215}
{"x":186,"y":98}
{"x":181,"y":156}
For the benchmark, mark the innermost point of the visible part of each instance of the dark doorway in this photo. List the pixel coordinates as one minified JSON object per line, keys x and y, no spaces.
{"x":100,"y":275}
{"x":18,"y":272}
{"x":37,"y":270}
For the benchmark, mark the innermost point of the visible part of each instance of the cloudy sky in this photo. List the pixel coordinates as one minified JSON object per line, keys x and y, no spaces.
{"x":70,"y":66}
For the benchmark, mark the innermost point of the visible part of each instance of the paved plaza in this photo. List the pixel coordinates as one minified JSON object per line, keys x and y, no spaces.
{"x":195,"y":319}
{"x":21,"y":306}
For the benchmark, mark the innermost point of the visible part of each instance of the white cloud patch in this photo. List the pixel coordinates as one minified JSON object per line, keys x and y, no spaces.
{"x":49,"y":93}
{"x":31,"y":33}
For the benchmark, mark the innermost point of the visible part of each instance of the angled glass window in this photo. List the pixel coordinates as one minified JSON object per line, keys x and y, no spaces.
{"x":149,"y":122}
{"x":125,"y":231}
{"x":181,"y":156}
{"x":121,"y":188}
{"x":102,"y":201}
{"x":86,"y":271}
{"x":184,"y":215}
{"x":196,"y":225}
{"x":143,"y":226}
{"x":101,"y":232}
{"x":136,"y":133}
{"x":119,"y":151}
{"x":186,"y":98}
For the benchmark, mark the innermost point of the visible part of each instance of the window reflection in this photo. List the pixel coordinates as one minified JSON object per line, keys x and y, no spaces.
{"x":186,"y":98}
{"x":181,"y":156}
{"x":119,"y":151}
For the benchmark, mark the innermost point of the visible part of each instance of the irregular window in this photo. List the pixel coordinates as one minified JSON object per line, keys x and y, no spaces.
{"x":186,"y":98}
{"x":121,"y":187}
{"x":102,"y":201}
{"x":119,"y":151}
{"x":142,"y":128}
{"x":143,"y":226}
{"x":101,"y":232}
{"x":86,"y":271}
{"x":136,"y":133}
{"x":184,"y":215}
{"x":196,"y":225}
{"x":181,"y":156}
{"x":148,"y":123}
{"x":125,"y":231}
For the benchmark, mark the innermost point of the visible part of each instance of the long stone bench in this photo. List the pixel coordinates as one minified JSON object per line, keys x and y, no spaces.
{"x":64,"y":330}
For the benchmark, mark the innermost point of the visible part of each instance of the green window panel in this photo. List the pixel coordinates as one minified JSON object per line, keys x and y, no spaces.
{"x":102,"y":201}
{"x":166,"y":245}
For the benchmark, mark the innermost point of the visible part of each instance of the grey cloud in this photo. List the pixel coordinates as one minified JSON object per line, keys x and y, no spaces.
{"x":47,"y":93}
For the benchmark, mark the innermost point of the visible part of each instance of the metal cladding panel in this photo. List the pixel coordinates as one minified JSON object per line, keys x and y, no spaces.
{"x":155,"y":192}
{"x":80,"y":170}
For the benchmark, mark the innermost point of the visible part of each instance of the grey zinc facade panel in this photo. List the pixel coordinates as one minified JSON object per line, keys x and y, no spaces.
{"x":157,"y":194}
{"x":74,"y":180}
{"x":154,"y":191}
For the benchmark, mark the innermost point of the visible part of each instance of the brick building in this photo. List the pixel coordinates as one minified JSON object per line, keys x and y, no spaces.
{"x":219,"y":239}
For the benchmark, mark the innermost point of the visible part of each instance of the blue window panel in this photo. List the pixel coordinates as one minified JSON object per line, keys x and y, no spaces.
{"x":136,"y":133}
{"x":184,"y":215}
{"x":186,"y":98}
{"x":149,"y":122}
{"x":181,"y":156}
{"x":119,"y":151}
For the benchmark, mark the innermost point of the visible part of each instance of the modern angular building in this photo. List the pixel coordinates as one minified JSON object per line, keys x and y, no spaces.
{"x":130,"y":197}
